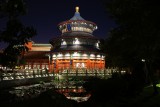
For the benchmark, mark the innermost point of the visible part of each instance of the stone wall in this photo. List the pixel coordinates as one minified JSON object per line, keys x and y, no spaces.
{"x":29,"y":81}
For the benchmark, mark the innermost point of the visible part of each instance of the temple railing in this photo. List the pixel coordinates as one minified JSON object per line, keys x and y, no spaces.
{"x":36,"y":73}
{"x":24,"y":74}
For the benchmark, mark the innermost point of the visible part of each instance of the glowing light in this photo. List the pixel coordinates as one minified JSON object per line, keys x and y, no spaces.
{"x":97,"y":44}
{"x":63,"y":42}
{"x":76,"y":54}
{"x":76,"y":41}
{"x":83,"y":65}
{"x":103,"y":57}
{"x":74,"y":90}
{"x":77,"y":9}
{"x":80,"y":65}
{"x":143,"y":60}
{"x":59,"y":55}
{"x":84,"y":55}
{"x":67,"y":54}
{"x":98,"y":55}
{"x":54,"y":55}
{"x":92,"y":55}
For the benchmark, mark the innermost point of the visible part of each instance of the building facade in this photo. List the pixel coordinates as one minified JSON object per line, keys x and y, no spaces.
{"x":37,"y":56}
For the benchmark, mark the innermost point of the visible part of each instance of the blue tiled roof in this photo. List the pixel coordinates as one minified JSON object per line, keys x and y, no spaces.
{"x":77,"y":16}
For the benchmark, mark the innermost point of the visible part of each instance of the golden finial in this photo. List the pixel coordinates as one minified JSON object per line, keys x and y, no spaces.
{"x":77,"y":9}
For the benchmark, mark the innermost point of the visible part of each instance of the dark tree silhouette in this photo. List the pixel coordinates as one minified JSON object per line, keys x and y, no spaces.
{"x":136,"y":37}
{"x":15,"y":34}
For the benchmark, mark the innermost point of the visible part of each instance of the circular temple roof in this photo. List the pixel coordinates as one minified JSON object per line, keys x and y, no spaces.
{"x":77,"y":23}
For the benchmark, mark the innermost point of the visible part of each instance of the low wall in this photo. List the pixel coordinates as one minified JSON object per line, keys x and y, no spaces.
{"x":28,"y":81}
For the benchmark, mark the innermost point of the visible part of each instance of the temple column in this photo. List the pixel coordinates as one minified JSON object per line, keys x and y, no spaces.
{"x":100,"y":64}
{"x":32,"y":62}
{"x":40,"y":65}
{"x":49,"y":63}
{"x":88,"y":63}
{"x":57,"y":62}
{"x":103,"y":64}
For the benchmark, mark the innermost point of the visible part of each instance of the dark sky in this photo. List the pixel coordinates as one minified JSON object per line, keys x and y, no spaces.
{"x":45,"y":15}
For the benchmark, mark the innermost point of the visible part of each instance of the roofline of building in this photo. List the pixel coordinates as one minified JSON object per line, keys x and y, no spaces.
{"x":69,"y":21}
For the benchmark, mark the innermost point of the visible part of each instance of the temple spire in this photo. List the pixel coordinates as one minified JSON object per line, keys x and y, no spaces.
{"x":77,"y":14}
{"x":77,"y":9}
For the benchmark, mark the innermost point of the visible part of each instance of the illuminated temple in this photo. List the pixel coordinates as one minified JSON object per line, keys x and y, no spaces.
{"x":77,"y":47}
{"x":75,"y":51}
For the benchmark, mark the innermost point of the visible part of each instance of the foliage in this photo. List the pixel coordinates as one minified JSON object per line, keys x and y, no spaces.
{"x":137,"y":36}
{"x":12,"y":8}
{"x":115,"y":89}
{"x":16,"y":35}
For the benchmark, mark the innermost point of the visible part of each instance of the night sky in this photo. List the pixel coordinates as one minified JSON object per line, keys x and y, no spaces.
{"x":45,"y":15}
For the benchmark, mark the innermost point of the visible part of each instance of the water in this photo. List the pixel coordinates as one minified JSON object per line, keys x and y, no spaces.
{"x":70,"y":91}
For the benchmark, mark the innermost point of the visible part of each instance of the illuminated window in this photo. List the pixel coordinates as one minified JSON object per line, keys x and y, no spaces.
{"x":80,"y":65}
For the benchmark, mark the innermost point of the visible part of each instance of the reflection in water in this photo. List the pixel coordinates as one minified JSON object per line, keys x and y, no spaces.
{"x":77,"y":94}
{"x":72,"y":92}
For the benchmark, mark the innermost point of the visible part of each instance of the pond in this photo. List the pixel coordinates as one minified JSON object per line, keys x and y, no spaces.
{"x":71,"y":91}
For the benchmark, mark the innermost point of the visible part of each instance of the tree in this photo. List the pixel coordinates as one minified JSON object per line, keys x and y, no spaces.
{"x":16,"y":35}
{"x":137,"y":36}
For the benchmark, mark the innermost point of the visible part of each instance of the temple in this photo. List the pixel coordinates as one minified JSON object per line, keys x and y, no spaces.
{"x":36,"y":58}
{"x":76,"y":47}
{"x":75,"y":52}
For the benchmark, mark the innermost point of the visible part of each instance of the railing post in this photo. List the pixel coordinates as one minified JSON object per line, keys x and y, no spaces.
{"x":24,"y":73}
{"x":14,"y":74}
{"x":86,"y":73}
{"x":104,"y":73}
{"x":1,"y":75}
{"x":96,"y":73}
{"x":33,"y":74}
